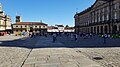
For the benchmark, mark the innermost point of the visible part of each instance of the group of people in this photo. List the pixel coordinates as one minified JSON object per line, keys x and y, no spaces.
{"x":73,"y":36}
{"x":32,"y":34}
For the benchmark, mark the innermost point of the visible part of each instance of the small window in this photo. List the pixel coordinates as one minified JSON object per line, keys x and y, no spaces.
{"x":43,"y":26}
{"x":39,"y":26}
{"x":25,"y":26}
{"x":21,"y":26}
{"x":35,"y":26}
{"x":119,"y":5}
{"x":16,"y":30}
{"x":16,"y":26}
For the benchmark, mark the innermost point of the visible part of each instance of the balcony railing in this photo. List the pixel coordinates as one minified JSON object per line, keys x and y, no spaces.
{"x":101,"y":23}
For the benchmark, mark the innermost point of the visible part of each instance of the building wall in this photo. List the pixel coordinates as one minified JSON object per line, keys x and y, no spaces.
{"x":52,"y":30}
{"x":99,"y":19}
{"x":5,"y":21}
{"x":70,"y":30}
{"x":26,"y":28}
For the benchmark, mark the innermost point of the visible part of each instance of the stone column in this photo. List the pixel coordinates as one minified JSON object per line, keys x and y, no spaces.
{"x":108,"y":28}
{"x":103,"y":29}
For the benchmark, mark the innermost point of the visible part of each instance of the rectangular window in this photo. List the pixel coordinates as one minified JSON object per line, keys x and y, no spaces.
{"x":16,"y":30}
{"x":107,"y":9}
{"x":107,"y":16}
{"x":103,"y":18}
{"x":96,"y":19}
{"x":119,"y":5}
{"x":103,"y":10}
{"x":115,"y":6}
{"x":39,"y":26}
{"x":99,"y":19}
{"x":115,"y":15}
{"x":43,"y":26}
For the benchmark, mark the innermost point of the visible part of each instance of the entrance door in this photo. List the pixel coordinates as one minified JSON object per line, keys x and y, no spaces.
{"x":101,"y":29}
{"x":114,"y":29}
{"x":31,"y":29}
{"x":91,"y":29}
{"x":106,"y":29}
{"x":95,"y":30}
{"x":98,"y":30}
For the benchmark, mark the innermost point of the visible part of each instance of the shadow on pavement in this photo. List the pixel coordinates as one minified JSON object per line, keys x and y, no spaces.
{"x":22,"y":42}
{"x":62,"y":42}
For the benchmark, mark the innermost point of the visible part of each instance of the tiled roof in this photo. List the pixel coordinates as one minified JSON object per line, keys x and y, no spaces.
{"x":52,"y":27}
{"x":60,"y":25}
{"x":29,"y":23}
{"x":69,"y":28}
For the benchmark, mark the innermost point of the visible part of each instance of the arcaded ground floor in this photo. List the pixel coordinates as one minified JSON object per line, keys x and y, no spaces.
{"x":101,"y":29}
{"x":22,"y":31}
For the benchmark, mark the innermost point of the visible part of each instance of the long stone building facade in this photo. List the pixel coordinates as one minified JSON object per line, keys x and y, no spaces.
{"x":28,"y":27}
{"x":35,"y":27}
{"x":103,"y":17}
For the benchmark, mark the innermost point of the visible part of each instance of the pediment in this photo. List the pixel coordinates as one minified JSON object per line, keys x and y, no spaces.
{"x":98,"y":3}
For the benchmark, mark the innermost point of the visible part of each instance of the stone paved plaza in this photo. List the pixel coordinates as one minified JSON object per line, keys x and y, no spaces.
{"x":20,"y":51}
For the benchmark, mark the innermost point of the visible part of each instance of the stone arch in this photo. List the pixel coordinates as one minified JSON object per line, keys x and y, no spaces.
{"x":98,"y":30}
{"x":101,"y":28}
{"x":31,"y":29}
{"x":114,"y":29}
{"x":87,"y":30}
{"x":95,"y":30}
{"x":91,"y":29}
{"x":106,"y":29}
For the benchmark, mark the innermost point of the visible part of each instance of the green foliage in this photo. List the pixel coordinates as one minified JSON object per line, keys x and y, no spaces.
{"x":66,"y":26}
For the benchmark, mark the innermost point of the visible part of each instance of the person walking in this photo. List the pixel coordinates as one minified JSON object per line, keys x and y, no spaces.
{"x":71,"y":36}
{"x":54,"y":38}
{"x":76,"y":37}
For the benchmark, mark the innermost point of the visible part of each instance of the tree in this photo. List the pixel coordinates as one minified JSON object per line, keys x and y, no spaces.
{"x":66,"y":26}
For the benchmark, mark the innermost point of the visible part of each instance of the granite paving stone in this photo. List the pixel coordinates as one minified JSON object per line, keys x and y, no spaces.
{"x":41,"y":52}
